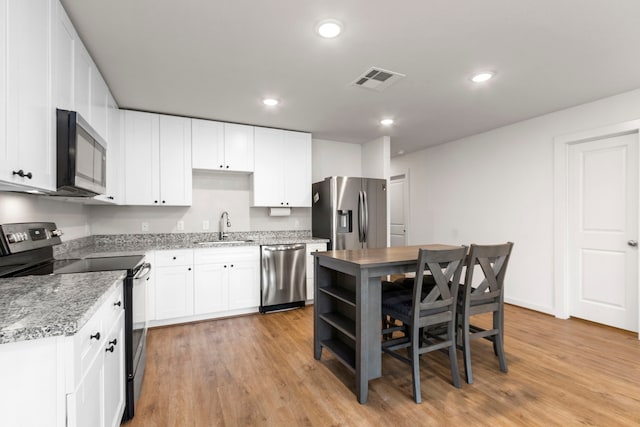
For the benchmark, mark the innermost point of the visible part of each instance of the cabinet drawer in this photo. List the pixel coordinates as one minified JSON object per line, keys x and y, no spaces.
{"x":174,"y":257}
{"x":91,"y":339}
{"x":311,"y":248}
{"x":113,"y":307}
{"x":236,"y":254}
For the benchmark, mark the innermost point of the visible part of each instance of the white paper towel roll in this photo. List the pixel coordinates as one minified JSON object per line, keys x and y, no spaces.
{"x":279,"y":211}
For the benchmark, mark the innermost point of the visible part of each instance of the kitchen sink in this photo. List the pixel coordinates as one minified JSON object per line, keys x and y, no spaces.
{"x":223,"y":242}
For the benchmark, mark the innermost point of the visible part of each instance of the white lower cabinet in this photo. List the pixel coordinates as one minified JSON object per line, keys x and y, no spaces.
{"x":73,"y":381}
{"x":226,"y":279}
{"x":211,"y":293}
{"x":114,"y":375}
{"x":97,"y":368}
{"x":311,"y":248}
{"x":173,"y":284}
{"x":197,"y":284}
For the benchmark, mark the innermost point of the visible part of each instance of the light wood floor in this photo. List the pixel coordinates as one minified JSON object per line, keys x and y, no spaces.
{"x":259,"y":370}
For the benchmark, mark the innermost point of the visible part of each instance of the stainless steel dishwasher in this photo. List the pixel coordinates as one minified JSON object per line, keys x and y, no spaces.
{"x":283,"y":277}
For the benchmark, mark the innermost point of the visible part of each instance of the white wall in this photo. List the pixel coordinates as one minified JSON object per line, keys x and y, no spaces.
{"x":213,"y":193}
{"x":498,"y":186}
{"x":376,"y":158}
{"x":333,"y":158}
{"x":71,"y":218}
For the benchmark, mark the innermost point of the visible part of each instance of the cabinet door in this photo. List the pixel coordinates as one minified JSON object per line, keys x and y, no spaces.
{"x":29,"y":118}
{"x":207,"y":144}
{"x":82,"y":81}
{"x":210,"y":290}
{"x":268,"y":184}
{"x":64,"y":38}
{"x":244,"y":285}
{"x":311,"y":248}
{"x":141,"y":158}
{"x":114,"y":375}
{"x":5,"y":161}
{"x":84,"y":405}
{"x":175,"y":161}
{"x":99,"y":100}
{"x":173,"y":292}
{"x":114,"y":157}
{"x":238,"y":147}
{"x":297,"y":173}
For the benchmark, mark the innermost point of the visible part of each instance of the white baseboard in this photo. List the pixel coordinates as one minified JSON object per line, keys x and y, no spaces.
{"x":535,"y":307}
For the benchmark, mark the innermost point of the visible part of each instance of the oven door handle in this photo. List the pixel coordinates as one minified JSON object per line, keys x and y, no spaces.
{"x":143,"y":272}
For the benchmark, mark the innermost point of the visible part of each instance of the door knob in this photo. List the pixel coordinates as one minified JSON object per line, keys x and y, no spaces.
{"x":632,"y":243}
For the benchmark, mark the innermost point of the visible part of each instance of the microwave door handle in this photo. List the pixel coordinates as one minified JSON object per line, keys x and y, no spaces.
{"x":360,"y":217}
{"x":365,"y":227}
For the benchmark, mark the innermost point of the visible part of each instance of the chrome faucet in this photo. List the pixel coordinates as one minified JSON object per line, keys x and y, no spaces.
{"x":223,"y":233}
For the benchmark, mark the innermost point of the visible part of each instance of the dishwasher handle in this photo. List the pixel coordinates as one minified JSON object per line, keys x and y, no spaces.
{"x":289,"y":247}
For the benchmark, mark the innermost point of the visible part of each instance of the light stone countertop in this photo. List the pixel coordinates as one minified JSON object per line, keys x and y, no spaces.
{"x":133,"y":246}
{"x":34,"y":307}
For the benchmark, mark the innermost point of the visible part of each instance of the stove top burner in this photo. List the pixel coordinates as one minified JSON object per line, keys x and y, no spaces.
{"x":66,"y":266}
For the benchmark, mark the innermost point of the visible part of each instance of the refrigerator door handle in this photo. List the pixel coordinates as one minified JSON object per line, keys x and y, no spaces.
{"x":365,"y":227}
{"x":360,"y":216}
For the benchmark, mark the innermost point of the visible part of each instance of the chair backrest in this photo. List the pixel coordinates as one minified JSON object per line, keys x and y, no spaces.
{"x":493,"y":260}
{"x":439,"y":302}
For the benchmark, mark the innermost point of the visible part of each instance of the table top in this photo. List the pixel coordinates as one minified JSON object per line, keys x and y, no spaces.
{"x":379,"y":256}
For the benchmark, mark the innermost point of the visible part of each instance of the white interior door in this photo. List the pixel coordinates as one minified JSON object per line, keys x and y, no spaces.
{"x":398,"y":195}
{"x":603,"y":229}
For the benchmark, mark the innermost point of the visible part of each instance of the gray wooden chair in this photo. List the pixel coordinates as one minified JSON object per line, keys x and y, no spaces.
{"x":486,"y":297}
{"x":421,"y":311}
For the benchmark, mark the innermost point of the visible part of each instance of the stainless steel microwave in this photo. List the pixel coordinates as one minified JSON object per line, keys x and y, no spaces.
{"x":81,"y":157}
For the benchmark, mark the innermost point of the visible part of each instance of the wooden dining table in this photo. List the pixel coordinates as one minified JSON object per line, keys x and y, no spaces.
{"x":347,"y":305}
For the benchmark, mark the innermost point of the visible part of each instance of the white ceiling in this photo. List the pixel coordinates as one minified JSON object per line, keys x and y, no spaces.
{"x":217,"y":59}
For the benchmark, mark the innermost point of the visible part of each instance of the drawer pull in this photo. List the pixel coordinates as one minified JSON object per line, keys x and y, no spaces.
{"x":109,"y":349}
{"x":114,"y":341}
{"x":96,"y":336}
{"x":118,"y":304}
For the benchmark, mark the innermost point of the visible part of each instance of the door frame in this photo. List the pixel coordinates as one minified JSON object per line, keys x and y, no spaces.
{"x":561,"y":205}
{"x":406,"y":200}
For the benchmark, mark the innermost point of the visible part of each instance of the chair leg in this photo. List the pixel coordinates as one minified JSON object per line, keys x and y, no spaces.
{"x":415,"y":365}
{"x":466,"y":350}
{"x":498,"y":340}
{"x":453,"y":354}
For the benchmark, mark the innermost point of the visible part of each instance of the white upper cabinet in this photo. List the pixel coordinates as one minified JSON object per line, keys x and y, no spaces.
{"x":282,"y":174}
{"x":175,"y":161}
{"x":222,"y":146}
{"x":115,"y":181}
{"x":207,"y":140}
{"x":27,"y":153}
{"x":82,"y":82}
{"x":78,"y":84}
{"x":64,"y":39}
{"x":297,"y":168}
{"x":99,"y":103}
{"x":157,"y":157}
{"x":238,"y":147}
{"x":142,"y":158}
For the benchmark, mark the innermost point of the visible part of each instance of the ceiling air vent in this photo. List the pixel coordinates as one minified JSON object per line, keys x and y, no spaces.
{"x":377,"y":79}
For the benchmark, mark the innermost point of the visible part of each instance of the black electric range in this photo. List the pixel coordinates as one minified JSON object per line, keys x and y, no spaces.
{"x":26,"y":249}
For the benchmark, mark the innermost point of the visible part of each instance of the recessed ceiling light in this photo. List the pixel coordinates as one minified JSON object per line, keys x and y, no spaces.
{"x":329,"y":28}
{"x":270,"y":102}
{"x":483,"y":77}
{"x":400,"y":152}
{"x":386,"y":122}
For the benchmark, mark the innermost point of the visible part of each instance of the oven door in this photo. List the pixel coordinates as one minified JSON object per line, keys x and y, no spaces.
{"x":139,"y":311}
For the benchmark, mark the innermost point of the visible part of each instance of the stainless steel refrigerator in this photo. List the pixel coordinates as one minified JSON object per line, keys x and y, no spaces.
{"x":351,"y":212}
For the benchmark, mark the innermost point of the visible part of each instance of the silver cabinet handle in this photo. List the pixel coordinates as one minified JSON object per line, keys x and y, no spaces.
{"x":633,"y":243}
